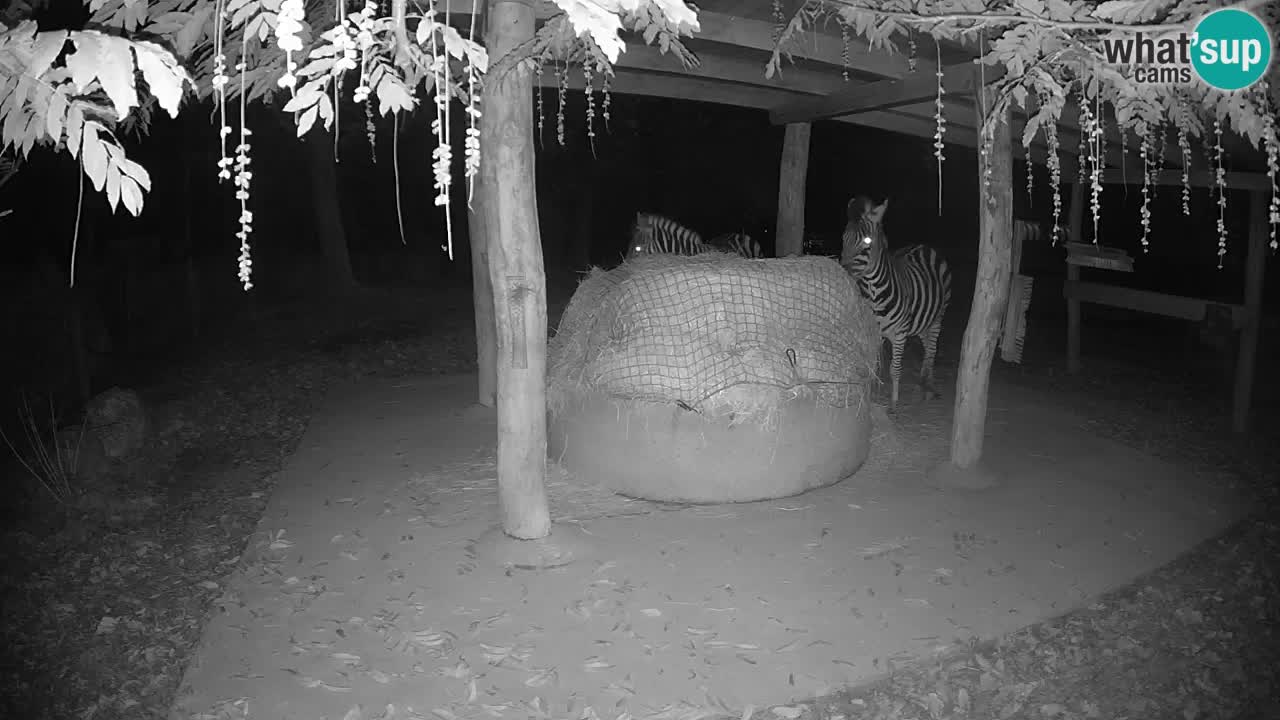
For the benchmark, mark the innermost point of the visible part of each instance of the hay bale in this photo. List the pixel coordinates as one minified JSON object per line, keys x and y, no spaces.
{"x":713,"y":378}
{"x":716,"y":333}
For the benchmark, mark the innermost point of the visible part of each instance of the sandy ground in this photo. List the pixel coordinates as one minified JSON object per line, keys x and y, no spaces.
{"x":361,"y":595}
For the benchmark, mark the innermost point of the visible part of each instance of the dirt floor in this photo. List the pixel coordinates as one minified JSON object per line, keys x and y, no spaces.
{"x":108,"y":604}
{"x":361,"y":587}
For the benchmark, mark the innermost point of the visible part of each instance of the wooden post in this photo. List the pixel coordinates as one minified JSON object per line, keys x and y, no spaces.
{"x":482,"y":298}
{"x":991,"y":292}
{"x":1075,"y":231}
{"x":1246,"y":359}
{"x":516,"y":272}
{"x":791,"y":189}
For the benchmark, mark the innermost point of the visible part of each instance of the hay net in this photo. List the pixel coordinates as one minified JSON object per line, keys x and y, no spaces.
{"x":715,"y":332}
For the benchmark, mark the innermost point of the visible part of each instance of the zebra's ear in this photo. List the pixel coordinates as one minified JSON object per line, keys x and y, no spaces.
{"x":876,"y":212}
{"x":853,"y":210}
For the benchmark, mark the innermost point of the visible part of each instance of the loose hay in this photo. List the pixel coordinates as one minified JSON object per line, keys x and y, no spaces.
{"x":717,"y":334}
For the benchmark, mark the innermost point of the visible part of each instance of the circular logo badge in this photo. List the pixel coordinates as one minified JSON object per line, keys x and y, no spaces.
{"x":1232,"y":49}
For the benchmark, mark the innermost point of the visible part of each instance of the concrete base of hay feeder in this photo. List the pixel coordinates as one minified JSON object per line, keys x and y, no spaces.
{"x":661,"y":452}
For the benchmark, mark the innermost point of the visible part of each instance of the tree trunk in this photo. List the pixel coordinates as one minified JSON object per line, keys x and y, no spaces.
{"x":791,"y":188}
{"x":482,"y":297}
{"x":995,"y":249}
{"x":330,"y":230}
{"x":517,"y":275}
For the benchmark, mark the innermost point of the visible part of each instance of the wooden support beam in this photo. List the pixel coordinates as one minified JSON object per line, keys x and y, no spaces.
{"x":792,"y":175}
{"x":730,"y":69}
{"x":689,"y":87}
{"x":1235,"y":180}
{"x":1181,"y":307}
{"x":1255,"y":271}
{"x":815,"y":46}
{"x":1075,"y":233}
{"x":959,"y":79}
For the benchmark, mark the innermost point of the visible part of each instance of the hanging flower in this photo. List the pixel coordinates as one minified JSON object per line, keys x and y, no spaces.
{"x":1054,"y":162}
{"x":589,"y":91}
{"x":1144,"y":149}
{"x":844,"y":49}
{"x":1184,"y":146}
{"x":941,"y":127}
{"x":1220,"y":180}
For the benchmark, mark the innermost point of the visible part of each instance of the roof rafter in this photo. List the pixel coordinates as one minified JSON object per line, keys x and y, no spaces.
{"x":958,"y":79}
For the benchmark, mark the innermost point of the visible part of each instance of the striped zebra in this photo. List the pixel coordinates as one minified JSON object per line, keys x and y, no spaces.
{"x":739,"y":242}
{"x":651,"y":234}
{"x":909,"y":289}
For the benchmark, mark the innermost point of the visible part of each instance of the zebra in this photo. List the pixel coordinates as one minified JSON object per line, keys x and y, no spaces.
{"x":651,"y":233}
{"x":739,"y":242}
{"x":908,"y":289}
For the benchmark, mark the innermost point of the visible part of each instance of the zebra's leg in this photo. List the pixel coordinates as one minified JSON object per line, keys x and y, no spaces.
{"x":930,"y":341}
{"x":895,"y":368}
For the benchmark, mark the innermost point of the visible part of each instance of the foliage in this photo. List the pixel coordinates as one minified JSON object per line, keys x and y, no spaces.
{"x":255,"y":50}
{"x":1052,"y":55}
{"x":71,"y":88}
{"x":74,"y":89}
{"x":51,"y":459}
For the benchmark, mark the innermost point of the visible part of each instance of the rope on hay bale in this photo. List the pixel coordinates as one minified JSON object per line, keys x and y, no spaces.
{"x":717,"y":334}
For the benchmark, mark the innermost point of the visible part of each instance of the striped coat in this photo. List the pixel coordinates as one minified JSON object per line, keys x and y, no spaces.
{"x":653,"y":234}
{"x":909,"y":289}
{"x":739,"y":242}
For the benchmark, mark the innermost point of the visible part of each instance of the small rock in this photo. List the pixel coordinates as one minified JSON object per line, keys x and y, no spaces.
{"x":118,"y":420}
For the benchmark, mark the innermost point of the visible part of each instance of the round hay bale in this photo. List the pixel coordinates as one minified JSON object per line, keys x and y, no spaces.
{"x":662,"y":452}
{"x":713,"y":378}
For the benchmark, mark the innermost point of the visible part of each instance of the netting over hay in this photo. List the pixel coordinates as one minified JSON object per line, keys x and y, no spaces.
{"x":716,"y":333}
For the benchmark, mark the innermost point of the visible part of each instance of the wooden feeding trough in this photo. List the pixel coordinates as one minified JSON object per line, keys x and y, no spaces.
{"x":1245,"y":317}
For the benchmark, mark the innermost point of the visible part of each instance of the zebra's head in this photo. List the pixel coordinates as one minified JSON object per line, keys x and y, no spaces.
{"x":863,"y":239}
{"x":641,"y":235}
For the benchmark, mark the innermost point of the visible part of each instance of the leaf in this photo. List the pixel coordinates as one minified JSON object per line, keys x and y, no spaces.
{"x":48,"y":46}
{"x":115,"y":74}
{"x":113,"y":183}
{"x":305,"y":98}
{"x":307,"y":119}
{"x":1130,"y":12}
{"x":55,"y":113}
{"x":164,"y":76}
{"x":83,"y":62}
{"x":93,"y":155}
{"x":260,"y":26}
{"x":184,"y":41}
{"x":242,"y":15}
{"x":75,"y":129}
{"x":393,"y":96}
